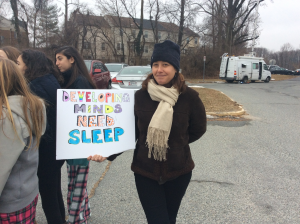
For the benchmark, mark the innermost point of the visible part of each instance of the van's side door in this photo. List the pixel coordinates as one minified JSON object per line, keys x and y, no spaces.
{"x":255,"y":71}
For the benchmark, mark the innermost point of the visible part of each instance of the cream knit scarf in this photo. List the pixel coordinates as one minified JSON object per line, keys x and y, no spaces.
{"x":161,"y":122}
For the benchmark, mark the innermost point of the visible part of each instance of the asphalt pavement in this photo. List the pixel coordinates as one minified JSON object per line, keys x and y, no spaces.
{"x":246,"y":171}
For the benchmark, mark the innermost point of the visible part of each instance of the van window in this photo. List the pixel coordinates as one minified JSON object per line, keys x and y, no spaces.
{"x":255,"y":65}
{"x":265,"y":67}
{"x":243,"y":66}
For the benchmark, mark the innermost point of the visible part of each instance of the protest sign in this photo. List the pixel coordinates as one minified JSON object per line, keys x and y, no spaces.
{"x":94,"y":121}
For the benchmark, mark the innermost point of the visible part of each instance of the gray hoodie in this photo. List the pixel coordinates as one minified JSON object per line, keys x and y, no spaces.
{"x":18,"y":165}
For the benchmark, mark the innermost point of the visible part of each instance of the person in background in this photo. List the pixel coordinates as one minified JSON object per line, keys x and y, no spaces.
{"x":169,"y":116}
{"x":22,"y":123}
{"x":44,"y":81}
{"x":76,"y":76}
{"x":10,"y":53}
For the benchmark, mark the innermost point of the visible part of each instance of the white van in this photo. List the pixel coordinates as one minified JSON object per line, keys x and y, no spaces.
{"x":244,"y":68}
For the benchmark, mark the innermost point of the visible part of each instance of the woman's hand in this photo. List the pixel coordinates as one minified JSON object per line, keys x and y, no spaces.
{"x":97,"y":158}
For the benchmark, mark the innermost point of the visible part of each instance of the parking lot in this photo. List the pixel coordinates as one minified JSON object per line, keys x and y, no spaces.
{"x":246,"y":171}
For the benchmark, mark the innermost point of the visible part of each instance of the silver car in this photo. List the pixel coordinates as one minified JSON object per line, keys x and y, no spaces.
{"x":132,"y":76}
{"x":114,"y":69}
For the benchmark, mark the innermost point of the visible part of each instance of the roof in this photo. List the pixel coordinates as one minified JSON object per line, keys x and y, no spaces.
{"x":6,"y":24}
{"x":127,"y":22}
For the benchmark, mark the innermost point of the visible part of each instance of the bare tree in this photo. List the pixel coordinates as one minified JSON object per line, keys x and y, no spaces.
{"x":14,"y":7}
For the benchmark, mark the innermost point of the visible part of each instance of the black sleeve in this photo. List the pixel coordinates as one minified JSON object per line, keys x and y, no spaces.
{"x":197,"y":122}
{"x":112,"y":157}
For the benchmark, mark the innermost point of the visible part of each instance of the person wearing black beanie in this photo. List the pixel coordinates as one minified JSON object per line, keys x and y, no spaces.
{"x":168,"y":117}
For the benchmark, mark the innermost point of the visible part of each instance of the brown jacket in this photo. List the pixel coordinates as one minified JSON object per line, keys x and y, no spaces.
{"x":189,"y":124}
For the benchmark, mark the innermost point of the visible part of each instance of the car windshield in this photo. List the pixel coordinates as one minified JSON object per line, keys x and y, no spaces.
{"x":135,"y":71}
{"x":88,"y":65}
{"x":113,"y":68}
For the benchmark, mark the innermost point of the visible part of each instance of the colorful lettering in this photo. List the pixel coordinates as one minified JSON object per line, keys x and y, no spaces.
{"x":87,"y":96}
{"x":72,"y":96}
{"x":81,"y":121}
{"x":108,"y":109}
{"x":81,"y":95}
{"x":119,"y":97}
{"x":74,"y":140}
{"x":101,"y":120}
{"x":126,"y":98}
{"x":106,"y":97}
{"x":118,"y":108}
{"x":65,"y":96}
{"x":101,"y":97}
{"x":95,"y":136}
{"x":92,"y":121}
{"x":98,"y":109}
{"x":78,"y":108}
{"x":109,"y":121}
{"x":84,"y":138}
{"x":93,"y":97}
{"x":118,"y":132}
{"x":107,"y":133}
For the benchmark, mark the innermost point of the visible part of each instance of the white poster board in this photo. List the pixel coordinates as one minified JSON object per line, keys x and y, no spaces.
{"x":94,"y":121}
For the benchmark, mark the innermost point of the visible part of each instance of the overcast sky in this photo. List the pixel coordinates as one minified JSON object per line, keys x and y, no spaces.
{"x":280,"y":23}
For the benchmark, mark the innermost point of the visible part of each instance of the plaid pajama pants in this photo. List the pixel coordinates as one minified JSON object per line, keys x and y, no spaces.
{"x":23,"y":216}
{"x":78,"y":201}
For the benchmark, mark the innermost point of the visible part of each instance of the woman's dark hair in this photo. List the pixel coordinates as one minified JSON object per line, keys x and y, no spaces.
{"x":78,"y":67}
{"x":12,"y":53}
{"x":178,"y":82}
{"x":38,"y":65}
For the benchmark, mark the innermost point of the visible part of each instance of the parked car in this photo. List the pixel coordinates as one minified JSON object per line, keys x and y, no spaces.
{"x":297,"y":72}
{"x":275,"y":69}
{"x":132,"y":76}
{"x":114,"y":68}
{"x":99,"y":73}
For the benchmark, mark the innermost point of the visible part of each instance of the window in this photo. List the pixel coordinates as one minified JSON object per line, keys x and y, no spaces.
{"x":146,"y":33}
{"x":244,"y":66}
{"x":103,"y":46}
{"x":146,"y":49}
{"x":132,"y":47}
{"x":121,"y":32}
{"x":120,"y":47}
{"x":265,"y":67}
{"x":196,"y":40}
{"x":86,"y":45}
{"x":159,"y":35}
{"x":133,"y":33}
{"x":1,"y":39}
{"x":187,"y":40}
{"x":255,"y":65}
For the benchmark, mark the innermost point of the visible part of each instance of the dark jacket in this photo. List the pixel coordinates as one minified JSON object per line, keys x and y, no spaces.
{"x":46,"y":88}
{"x":189,"y":124}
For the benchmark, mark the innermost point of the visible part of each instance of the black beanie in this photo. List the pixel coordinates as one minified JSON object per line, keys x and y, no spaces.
{"x":167,"y":51}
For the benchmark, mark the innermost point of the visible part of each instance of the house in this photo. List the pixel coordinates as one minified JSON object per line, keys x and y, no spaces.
{"x":8,"y":35}
{"x":113,"y":39}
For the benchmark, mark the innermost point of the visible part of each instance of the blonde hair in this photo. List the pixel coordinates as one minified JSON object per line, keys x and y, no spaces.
{"x":12,"y":82}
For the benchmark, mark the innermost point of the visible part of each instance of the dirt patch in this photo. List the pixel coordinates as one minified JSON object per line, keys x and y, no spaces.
{"x":216,"y":101}
{"x":283,"y":77}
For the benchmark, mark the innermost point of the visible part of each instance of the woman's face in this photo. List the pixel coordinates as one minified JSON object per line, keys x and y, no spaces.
{"x":21,"y":64}
{"x":63,"y":63}
{"x":163,"y":72}
{"x":3,"y":55}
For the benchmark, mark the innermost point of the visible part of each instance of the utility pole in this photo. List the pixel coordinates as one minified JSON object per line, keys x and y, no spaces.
{"x":255,"y":30}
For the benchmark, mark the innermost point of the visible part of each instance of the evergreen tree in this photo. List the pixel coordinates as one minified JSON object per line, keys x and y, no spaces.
{"x":48,"y":24}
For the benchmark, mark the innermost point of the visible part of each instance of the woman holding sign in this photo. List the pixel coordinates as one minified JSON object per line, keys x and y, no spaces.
{"x":22,"y":123}
{"x":44,"y":81}
{"x":169,"y":116}
{"x":76,"y":76}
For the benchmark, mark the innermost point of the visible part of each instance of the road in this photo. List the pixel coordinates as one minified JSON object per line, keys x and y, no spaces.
{"x":246,"y":171}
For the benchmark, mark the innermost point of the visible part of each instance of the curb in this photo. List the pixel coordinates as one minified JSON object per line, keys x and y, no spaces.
{"x":229,"y":113}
